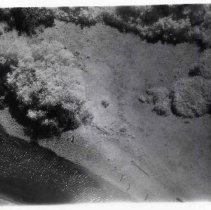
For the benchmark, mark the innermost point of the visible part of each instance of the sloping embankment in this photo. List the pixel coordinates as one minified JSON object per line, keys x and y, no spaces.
{"x":152,"y":158}
{"x":32,"y":174}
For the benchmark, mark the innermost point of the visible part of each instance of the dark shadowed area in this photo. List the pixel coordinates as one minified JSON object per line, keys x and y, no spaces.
{"x":32,"y":174}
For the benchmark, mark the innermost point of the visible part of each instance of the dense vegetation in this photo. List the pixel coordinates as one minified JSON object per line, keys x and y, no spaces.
{"x":43,"y":83}
{"x":167,"y":23}
{"x":83,"y":16}
{"x":171,"y":24}
{"x":202,"y":67}
{"x":27,"y":19}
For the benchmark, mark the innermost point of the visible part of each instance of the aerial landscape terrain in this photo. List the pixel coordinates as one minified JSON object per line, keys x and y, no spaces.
{"x":101,"y":104}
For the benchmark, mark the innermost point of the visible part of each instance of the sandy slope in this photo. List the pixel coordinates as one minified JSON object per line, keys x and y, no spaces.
{"x":150,"y":157}
{"x":31,"y":174}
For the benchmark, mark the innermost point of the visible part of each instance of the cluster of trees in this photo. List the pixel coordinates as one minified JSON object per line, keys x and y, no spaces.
{"x":43,"y":84}
{"x":202,"y":67}
{"x":166,"y":23}
{"x":26,"y":20}
{"x":83,"y":16}
{"x":172,"y":24}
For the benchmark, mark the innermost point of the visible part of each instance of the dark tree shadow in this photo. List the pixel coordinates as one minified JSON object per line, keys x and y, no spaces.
{"x":35,"y":175}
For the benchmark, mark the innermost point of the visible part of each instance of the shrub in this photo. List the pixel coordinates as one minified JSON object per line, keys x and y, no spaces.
{"x":13,"y":50}
{"x":160,"y":97}
{"x":166,"y":30}
{"x":44,"y":85}
{"x":191,"y":97}
{"x":146,"y":15}
{"x":105,"y":103}
{"x":203,"y":66}
{"x":83,"y":16}
{"x":171,"y":24}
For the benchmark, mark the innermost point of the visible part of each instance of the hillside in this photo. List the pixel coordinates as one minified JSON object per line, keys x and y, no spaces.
{"x":31,"y":174}
{"x":127,"y":135}
{"x":139,"y":153}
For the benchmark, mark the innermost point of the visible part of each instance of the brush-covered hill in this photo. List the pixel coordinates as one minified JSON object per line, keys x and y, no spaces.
{"x":133,"y":109}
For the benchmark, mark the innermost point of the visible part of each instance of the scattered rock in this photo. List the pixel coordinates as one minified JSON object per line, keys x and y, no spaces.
{"x":105,"y":103}
{"x":199,"y":69}
{"x":191,"y":97}
{"x":187,"y":121}
{"x":145,"y":98}
{"x":158,"y":94}
{"x":195,"y":70}
{"x":203,"y":66}
{"x":161,"y":100}
{"x":76,"y":53}
{"x":162,"y":108}
{"x":179,"y":199}
{"x":142,"y":99}
{"x":122,"y":130}
{"x":71,"y":139}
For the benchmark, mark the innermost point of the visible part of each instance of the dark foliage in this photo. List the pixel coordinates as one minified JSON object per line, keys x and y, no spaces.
{"x":27,"y":19}
{"x":166,"y":23}
{"x":78,"y":15}
{"x":43,"y":85}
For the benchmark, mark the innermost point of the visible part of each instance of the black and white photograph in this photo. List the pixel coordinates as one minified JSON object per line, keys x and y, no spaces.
{"x":105,"y":104}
